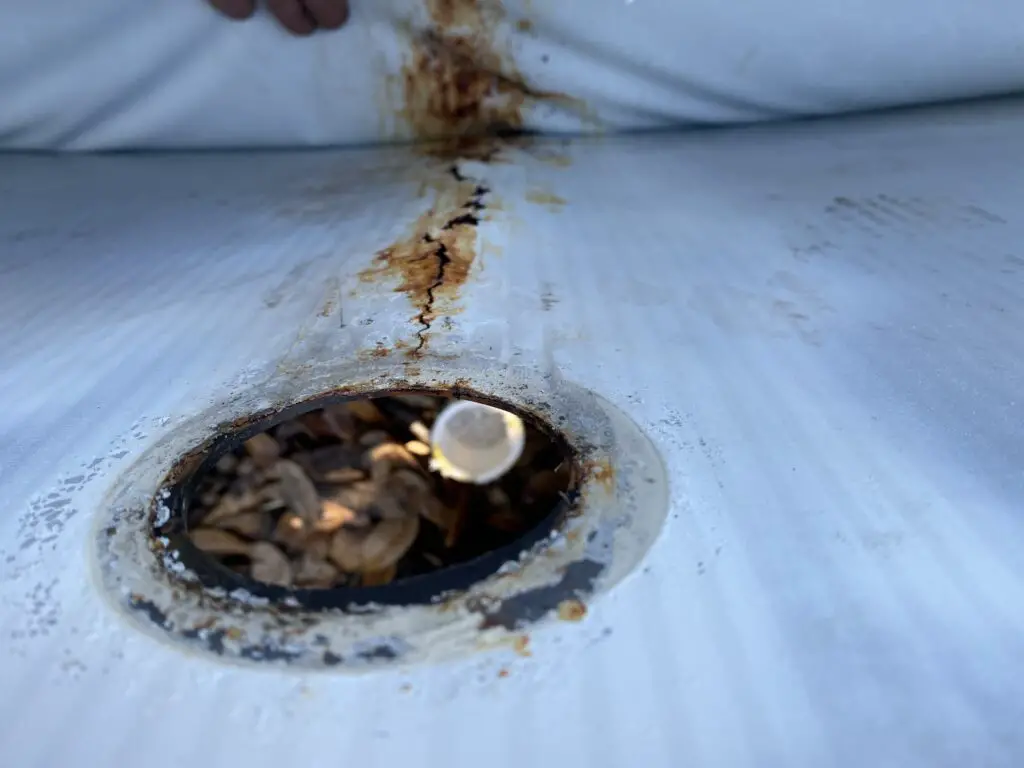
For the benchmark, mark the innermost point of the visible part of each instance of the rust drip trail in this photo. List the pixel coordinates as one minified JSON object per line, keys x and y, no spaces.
{"x":469,"y":219}
{"x":434,"y":261}
{"x":459,"y":85}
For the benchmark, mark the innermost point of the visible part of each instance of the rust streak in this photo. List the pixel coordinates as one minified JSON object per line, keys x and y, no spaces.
{"x":460,"y":84}
{"x":571,"y":610}
{"x":433,"y":262}
{"x":601,"y":472}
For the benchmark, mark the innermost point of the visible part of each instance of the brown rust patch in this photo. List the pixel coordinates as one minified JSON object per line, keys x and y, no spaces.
{"x":378,"y":351}
{"x":451,"y":13}
{"x":433,"y":262}
{"x":521,"y":645}
{"x":571,"y":610}
{"x":601,"y":472}
{"x":459,"y":84}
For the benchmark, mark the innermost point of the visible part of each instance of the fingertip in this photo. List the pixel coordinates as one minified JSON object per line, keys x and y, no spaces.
{"x":328,"y":14}
{"x":293,"y":17}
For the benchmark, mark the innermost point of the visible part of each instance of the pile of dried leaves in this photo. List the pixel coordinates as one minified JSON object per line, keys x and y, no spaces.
{"x":343,"y":496}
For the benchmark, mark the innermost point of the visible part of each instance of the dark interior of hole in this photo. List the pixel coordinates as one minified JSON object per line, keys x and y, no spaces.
{"x":429,"y":568}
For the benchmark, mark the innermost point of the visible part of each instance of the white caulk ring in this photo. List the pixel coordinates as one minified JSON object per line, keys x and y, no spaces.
{"x":475,"y":443}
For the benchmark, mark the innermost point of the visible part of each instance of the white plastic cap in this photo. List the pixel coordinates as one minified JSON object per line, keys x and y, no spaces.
{"x":475,"y":443}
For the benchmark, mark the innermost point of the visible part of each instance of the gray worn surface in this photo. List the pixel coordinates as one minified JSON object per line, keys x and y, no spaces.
{"x":819,"y":328}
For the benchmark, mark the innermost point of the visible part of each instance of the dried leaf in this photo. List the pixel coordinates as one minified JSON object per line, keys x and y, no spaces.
{"x":263,"y":449}
{"x":271,"y":498}
{"x":349,"y":510}
{"x":289,"y":430}
{"x":244,"y":485}
{"x":365,"y":411}
{"x":318,"y":545}
{"x":388,"y":541}
{"x":291,"y":531}
{"x":317,"y":424}
{"x":344,"y":475}
{"x":334,"y":515}
{"x":347,"y":548}
{"x":385,"y":458}
{"x":317,"y":463}
{"x":214,"y":541}
{"x":227,"y":463}
{"x":359,"y":497}
{"x":314,"y":572}
{"x":420,"y":431}
{"x":379,"y":578}
{"x":231,"y":505}
{"x":390,"y":508}
{"x":298,"y":491}
{"x":407,"y":492}
{"x":270,"y":565}
{"x":250,"y":524}
{"x":340,"y":422}
{"x":417,"y":448}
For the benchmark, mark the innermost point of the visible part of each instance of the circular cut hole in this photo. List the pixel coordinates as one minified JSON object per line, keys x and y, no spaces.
{"x":340,"y":500}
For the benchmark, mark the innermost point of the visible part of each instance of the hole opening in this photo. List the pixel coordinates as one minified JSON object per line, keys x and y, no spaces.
{"x":464,"y":533}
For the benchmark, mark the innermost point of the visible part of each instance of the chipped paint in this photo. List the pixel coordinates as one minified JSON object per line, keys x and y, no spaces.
{"x":146,"y":579}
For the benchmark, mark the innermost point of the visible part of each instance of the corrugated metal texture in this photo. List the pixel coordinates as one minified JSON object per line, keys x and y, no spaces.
{"x":818,"y":326}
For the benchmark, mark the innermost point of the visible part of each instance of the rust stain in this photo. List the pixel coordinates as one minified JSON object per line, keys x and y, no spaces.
{"x":460,"y":85}
{"x":433,"y":262}
{"x":378,"y":351}
{"x":333,"y":290}
{"x":547,"y":199}
{"x":601,"y":472}
{"x":502,"y":672}
{"x":571,"y":610}
{"x":524,"y":25}
{"x":449,"y":13}
{"x":521,"y":645}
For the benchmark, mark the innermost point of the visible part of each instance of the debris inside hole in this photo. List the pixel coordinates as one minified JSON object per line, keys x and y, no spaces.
{"x":345,"y":496}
